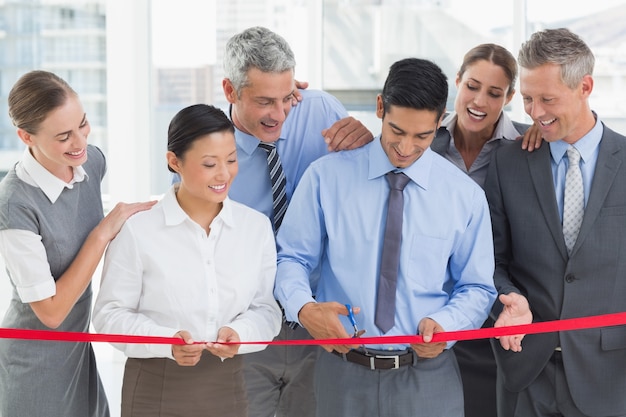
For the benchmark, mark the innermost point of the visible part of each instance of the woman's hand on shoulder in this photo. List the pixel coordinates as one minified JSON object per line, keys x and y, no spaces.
{"x":112,"y":223}
{"x":532,"y":138}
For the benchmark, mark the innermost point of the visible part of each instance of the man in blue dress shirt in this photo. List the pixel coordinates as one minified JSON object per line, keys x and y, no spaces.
{"x":445,"y":273}
{"x":259,"y":85}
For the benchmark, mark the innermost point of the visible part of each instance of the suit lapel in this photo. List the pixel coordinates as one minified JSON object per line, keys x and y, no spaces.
{"x":541,"y":175}
{"x":607,"y":167}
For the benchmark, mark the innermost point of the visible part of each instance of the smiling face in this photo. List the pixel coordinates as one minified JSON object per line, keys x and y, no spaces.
{"x":483,"y":91}
{"x":560,"y":111}
{"x":206,"y":169}
{"x":263,"y":104}
{"x":406,"y":132}
{"x":61,"y":140}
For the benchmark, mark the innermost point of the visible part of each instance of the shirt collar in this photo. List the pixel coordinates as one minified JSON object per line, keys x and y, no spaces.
{"x":379,"y":165}
{"x":586,"y":145}
{"x":449,"y":122}
{"x":175,"y":215}
{"x":32,"y":172}
{"x":246,"y":142}
{"x":505,"y":129}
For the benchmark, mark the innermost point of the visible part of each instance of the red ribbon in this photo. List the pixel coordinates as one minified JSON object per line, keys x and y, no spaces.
{"x":534,"y":328}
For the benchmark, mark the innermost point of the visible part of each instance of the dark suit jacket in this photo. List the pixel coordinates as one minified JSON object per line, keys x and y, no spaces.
{"x":531,"y":259}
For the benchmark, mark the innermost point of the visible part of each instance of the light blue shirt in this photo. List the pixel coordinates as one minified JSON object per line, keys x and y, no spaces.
{"x":336,"y":219}
{"x":588,"y":146}
{"x":301,"y":142}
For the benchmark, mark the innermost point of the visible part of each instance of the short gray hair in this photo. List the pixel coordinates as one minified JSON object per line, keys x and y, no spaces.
{"x":256,"y":47}
{"x":561,"y":47}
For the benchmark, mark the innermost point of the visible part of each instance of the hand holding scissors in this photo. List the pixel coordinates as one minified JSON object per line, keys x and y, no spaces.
{"x":357,"y":332}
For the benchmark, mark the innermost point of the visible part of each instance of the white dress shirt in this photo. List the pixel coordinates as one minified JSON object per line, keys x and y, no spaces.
{"x":163,"y":273}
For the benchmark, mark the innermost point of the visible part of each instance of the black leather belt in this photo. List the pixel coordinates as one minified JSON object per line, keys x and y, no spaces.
{"x":377,"y":361}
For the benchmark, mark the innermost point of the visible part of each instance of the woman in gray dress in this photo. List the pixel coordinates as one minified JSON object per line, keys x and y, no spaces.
{"x":52,"y":236}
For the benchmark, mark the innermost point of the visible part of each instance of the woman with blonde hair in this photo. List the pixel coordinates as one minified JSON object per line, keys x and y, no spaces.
{"x":53,"y":234}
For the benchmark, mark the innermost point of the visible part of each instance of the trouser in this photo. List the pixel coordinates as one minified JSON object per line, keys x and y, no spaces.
{"x":279,"y":379}
{"x":547,"y":396}
{"x":160,"y":387}
{"x":423,"y":388}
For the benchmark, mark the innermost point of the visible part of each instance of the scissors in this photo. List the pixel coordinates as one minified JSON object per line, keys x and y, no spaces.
{"x":357,"y":332}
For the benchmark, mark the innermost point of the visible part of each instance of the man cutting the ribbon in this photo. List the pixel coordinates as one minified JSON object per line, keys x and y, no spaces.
{"x":403,"y":236}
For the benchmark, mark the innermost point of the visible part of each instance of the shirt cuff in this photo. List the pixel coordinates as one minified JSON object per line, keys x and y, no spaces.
{"x":37,"y":292}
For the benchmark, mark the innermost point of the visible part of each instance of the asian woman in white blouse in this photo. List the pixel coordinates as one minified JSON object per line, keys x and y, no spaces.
{"x":198,"y":266}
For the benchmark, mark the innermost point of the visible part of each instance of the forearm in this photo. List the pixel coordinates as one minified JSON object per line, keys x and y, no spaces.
{"x":72,"y":284}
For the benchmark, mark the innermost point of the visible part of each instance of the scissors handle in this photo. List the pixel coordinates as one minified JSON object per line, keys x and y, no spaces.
{"x":351,"y":316}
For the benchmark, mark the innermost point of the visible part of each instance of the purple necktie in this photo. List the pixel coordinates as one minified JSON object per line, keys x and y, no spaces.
{"x":390,"y":259}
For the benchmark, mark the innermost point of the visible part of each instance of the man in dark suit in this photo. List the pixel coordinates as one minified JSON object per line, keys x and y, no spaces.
{"x":547,"y":269}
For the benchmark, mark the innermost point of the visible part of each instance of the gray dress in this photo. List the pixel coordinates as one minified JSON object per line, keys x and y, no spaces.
{"x":40,"y":378}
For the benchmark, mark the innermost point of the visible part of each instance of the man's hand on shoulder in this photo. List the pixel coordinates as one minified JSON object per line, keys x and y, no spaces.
{"x":297,"y":95}
{"x":347,"y":133}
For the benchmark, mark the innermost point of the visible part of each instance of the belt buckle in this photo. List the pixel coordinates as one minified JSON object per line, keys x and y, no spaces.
{"x":396,"y":360}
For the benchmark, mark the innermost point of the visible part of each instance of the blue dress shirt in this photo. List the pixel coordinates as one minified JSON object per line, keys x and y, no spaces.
{"x":335,"y":219}
{"x":301,"y":142}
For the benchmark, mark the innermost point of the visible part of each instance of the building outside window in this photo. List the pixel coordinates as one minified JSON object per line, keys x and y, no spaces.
{"x":135,"y":64}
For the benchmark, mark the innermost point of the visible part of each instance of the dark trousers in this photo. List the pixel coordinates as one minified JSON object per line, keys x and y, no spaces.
{"x":478,"y":372}
{"x":427,"y":388}
{"x":547,"y":396}
{"x":160,"y":387}
{"x":279,"y":379}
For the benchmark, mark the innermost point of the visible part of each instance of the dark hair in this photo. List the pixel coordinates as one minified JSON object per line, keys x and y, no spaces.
{"x":34,"y":96}
{"x":193,"y":122}
{"x":416,"y":83}
{"x":495,"y":54}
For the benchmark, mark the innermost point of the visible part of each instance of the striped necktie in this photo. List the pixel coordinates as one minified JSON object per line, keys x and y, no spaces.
{"x":279,"y":183}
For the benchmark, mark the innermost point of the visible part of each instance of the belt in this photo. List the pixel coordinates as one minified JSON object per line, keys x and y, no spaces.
{"x":377,"y":361}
